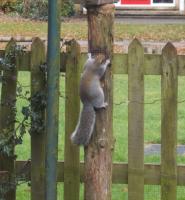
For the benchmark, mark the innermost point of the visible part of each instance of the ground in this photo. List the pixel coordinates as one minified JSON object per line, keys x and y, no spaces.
{"x":77,"y":28}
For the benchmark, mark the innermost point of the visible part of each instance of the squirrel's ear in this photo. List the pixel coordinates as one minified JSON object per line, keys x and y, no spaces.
{"x":89,"y":55}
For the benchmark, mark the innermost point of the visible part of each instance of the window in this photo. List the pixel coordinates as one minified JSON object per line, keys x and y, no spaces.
{"x":170,"y":3}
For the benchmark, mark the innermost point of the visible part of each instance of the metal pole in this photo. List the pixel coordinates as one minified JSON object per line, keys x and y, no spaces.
{"x":52,"y":114}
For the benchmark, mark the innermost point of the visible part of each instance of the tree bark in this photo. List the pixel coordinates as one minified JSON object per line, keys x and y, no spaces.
{"x":98,"y":154}
{"x":26,"y":7}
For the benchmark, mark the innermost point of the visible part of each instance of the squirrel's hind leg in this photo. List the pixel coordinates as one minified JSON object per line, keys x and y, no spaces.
{"x":99,"y":102}
{"x":102,"y":106}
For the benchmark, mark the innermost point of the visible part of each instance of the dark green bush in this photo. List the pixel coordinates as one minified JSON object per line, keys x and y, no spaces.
{"x":18,"y":7}
{"x":67,"y":9}
{"x":7,"y":5}
{"x":38,"y":9}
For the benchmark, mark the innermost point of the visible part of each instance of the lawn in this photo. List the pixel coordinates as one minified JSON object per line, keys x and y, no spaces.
{"x":152,"y":131}
{"x":77,"y":29}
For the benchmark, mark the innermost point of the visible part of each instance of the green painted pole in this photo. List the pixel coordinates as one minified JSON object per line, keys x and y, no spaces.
{"x":52,"y":114}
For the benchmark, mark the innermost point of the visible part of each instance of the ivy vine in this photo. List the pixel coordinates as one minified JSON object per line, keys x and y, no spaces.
{"x":8,"y":62}
{"x":32,"y":119}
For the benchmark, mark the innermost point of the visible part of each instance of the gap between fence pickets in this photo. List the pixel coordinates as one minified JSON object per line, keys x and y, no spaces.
{"x":155,"y":149}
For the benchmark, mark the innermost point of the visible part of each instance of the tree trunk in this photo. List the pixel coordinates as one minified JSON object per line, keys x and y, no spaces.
{"x":26,"y":7}
{"x":98,"y":154}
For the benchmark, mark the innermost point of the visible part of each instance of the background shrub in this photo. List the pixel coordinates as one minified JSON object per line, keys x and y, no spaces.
{"x":7,"y":5}
{"x":68,"y":8}
{"x":37,"y":9}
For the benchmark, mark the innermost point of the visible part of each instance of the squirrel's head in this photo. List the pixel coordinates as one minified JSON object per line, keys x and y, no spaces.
{"x":98,"y":58}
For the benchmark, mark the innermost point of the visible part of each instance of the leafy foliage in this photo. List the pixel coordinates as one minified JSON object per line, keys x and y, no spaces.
{"x":32,"y":120}
{"x":67,"y":8}
{"x":32,"y":112}
{"x":37,"y":9}
{"x":7,"y":5}
{"x":19,"y":6}
{"x":8,"y":63}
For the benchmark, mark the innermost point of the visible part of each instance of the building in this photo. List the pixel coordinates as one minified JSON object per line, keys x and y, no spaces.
{"x":164,"y":7}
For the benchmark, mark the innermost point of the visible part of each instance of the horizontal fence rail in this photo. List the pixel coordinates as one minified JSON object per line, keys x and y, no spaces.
{"x":151,"y":65}
{"x":152,"y":173}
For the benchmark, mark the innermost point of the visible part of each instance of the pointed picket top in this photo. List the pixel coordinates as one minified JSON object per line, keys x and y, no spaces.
{"x":37,"y":48}
{"x":169,"y":59}
{"x":37,"y":53}
{"x":10,"y":46}
{"x":11,"y":42}
{"x":36,"y":41}
{"x":135,"y":52}
{"x":135,"y":44}
{"x":169,"y":50}
{"x":135,"y":55}
{"x":73,"y":47}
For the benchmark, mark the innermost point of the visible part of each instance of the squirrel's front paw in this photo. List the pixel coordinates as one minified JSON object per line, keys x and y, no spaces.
{"x":89,"y":55}
{"x":105,"y":105}
{"x":107,"y":62}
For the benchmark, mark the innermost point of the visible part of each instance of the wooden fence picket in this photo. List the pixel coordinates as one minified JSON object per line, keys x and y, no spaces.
{"x":135,"y":121}
{"x":7,"y":123}
{"x":169,"y":88}
{"x":72,"y":108}
{"x":38,"y":137}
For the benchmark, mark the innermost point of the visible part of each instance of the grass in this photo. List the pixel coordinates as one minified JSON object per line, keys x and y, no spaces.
{"x":77,"y":29}
{"x":152,"y":132}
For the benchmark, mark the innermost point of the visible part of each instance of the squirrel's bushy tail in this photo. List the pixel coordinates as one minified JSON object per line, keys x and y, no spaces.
{"x":84,"y":129}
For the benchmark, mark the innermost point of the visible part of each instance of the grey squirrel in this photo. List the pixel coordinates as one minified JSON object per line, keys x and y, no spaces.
{"x":92,"y":97}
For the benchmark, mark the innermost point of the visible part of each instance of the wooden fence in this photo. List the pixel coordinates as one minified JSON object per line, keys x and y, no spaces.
{"x":135,"y":173}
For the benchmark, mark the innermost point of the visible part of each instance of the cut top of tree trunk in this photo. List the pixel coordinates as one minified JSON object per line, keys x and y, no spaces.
{"x":94,"y":2}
